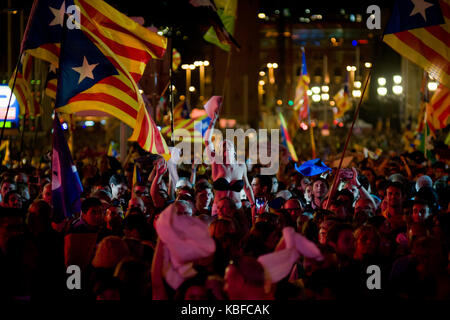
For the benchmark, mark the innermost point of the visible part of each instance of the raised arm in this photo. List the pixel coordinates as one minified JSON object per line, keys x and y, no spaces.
{"x":161,"y":169}
{"x":208,"y":137}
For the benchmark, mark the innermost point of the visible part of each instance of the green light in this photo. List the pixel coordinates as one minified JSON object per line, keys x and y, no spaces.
{"x":32,"y":81}
{"x":291,"y":103}
{"x":8,"y":124}
{"x":38,"y":81}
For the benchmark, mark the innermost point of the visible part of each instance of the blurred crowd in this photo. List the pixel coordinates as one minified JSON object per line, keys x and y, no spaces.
{"x":158,"y":237}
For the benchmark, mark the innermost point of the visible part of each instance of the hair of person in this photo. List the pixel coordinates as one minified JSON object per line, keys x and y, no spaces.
{"x":89,"y":203}
{"x":346,"y":193}
{"x":336,"y":229}
{"x":9,"y":194}
{"x":117,"y":179}
{"x":202,"y":185}
{"x":366,"y":228}
{"x":250,"y":269}
{"x":323,"y":180}
{"x":265,"y":181}
{"x":395,"y":184}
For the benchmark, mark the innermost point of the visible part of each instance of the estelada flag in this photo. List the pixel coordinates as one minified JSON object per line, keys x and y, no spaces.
{"x":420,"y":31}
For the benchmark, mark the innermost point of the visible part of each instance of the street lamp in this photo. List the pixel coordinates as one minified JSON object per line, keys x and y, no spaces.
{"x":397,"y":79}
{"x":381,"y":81}
{"x":188,"y":68}
{"x":272,"y":66}
{"x":316,"y":97}
{"x":202,"y":65}
{"x":382,"y":91}
{"x":432,"y":86}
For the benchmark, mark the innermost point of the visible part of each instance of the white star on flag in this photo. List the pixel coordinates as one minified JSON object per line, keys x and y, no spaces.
{"x":85,"y":70}
{"x":52,"y":68}
{"x":59,"y":15}
{"x":419,"y":7}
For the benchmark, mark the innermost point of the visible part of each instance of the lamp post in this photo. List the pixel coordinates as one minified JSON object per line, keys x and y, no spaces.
{"x":188,"y":68}
{"x":201,"y":66}
{"x":396,"y":94}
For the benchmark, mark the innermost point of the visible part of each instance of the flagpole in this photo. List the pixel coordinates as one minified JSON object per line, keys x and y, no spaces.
{"x":311,"y":135}
{"x":22,"y":137}
{"x":170,"y":89}
{"x":227,"y":73}
{"x":349,"y":134}
{"x":10,"y":96}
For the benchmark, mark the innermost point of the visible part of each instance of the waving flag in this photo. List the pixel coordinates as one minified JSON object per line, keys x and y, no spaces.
{"x":301,"y":103}
{"x":22,"y":89}
{"x":438,"y":109}
{"x":99,"y":63}
{"x":66,"y":185}
{"x":419,"y":30}
{"x":136,"y":175}
{"x":286,"y":139}
{"x":51,"y":83}
{"x":222,"y":20}
{"x":342,"y":100}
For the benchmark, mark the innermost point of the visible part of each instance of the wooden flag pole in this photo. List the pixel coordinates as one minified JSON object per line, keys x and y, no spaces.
{"x":349,"y":134}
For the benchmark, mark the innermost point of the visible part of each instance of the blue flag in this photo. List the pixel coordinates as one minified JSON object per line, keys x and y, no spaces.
{"x":66,"y":184}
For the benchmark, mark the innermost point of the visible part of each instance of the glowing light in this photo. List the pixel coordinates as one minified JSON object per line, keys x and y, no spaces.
{"x":141,"y":91}
{"x":397,"y":79}
{"x":325,"y":89}
{"x":349,"y":68}
{"x":397,"y":89}
{"x":279,"y":102}
{"x":103,"y":122}
{"x":309,"y":92}
{"x":354,"y":43}
{"x":262,"y":73}
{"x":304,"y":126}
{"x":275,"y":65}
{"x":381,"y":81}
{"x":269,"y":65}
{"x":185,"y":66}
{"x":5,"y":93}
{"x":382,"y":91}
{"x":332,"y":103}
{"x":357,"y":84}
{"x":325,"y":132}
{"x":290,"y":102}
{"x":192,"y":66}
{"x":261,"y":15}
{"x":316,"y":97}
{"x":325,"y":96}
{"x":432,"y":86}
{"x":89,"y":123}
{"x":206,"y":63}
{"x":64,"y":126}
{"x":315,"y":90}
{"x":341,"y":124}
{"x":182,"y":97}
{"x":261,"y":82}
{"x":356,"y":93}
{"x":191,"y":89}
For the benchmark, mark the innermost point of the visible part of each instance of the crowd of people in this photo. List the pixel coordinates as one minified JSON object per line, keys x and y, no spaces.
{"x":225,"y":231}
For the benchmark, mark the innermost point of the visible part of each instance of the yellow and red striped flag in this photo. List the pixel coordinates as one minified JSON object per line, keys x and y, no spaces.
{"x":286,"y":139}
{"x":301,"y":101}
{"x":103,"y":78}
{"x":22,"y":88}
{"x":438,"y":109}
{"x":420,"y":31}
